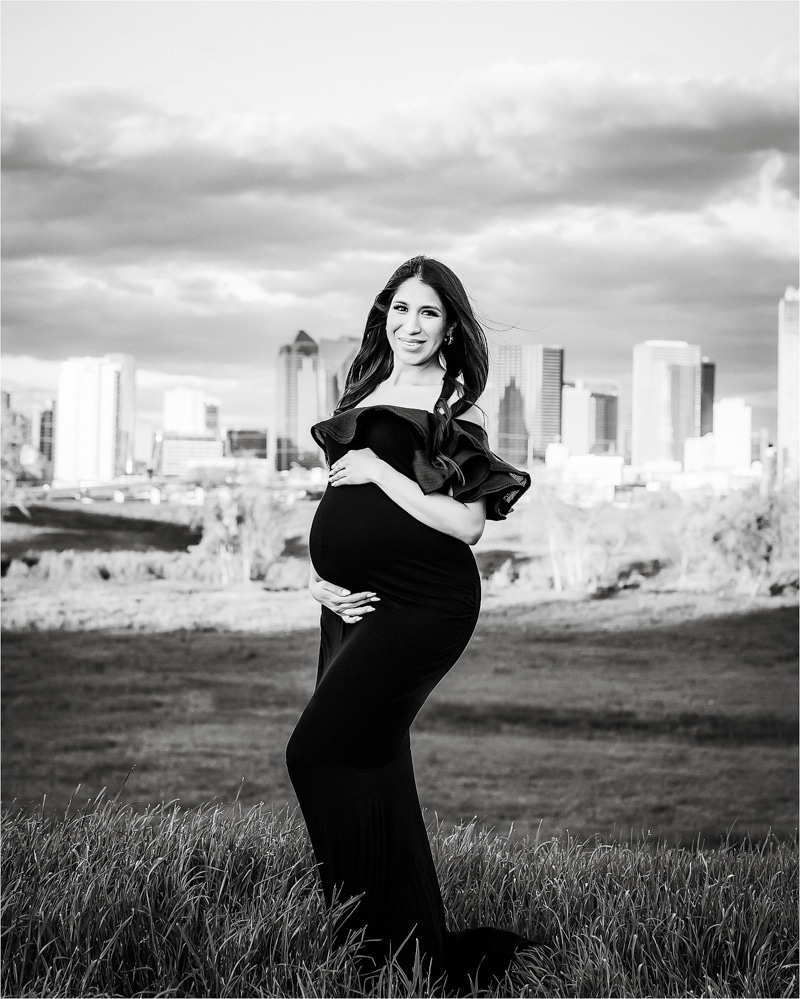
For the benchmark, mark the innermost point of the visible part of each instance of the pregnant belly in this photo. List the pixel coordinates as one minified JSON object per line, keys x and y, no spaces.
{"x":360,"y":539}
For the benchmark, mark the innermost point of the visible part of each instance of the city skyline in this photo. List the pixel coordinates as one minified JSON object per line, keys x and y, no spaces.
{"x":529,"y":408}
{"x":594,"y":182}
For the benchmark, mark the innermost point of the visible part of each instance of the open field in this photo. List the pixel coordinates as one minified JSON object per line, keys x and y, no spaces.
{"x":212,"y":903}
{"x":660,"y":728}
{"x":672,"y":714}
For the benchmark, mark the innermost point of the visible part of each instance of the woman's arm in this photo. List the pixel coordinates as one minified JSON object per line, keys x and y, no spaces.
{"x":464,"y":521}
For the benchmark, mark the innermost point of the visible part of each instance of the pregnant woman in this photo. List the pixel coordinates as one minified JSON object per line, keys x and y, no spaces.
{"x":411,"y":483}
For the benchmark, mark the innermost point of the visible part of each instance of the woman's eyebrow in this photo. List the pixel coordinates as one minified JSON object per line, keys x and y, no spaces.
{"x":399,"y":301}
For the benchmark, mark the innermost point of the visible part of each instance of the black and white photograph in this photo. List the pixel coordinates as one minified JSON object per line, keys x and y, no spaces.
{"x":400,"y":526}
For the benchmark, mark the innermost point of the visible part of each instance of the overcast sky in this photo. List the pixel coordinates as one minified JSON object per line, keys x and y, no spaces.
{"x":193,"y":182}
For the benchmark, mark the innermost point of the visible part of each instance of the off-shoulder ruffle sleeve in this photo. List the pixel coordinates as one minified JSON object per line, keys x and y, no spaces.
{"x":484,"y":473}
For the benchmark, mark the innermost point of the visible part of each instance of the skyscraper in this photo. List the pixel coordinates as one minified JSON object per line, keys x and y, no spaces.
{"x":185,"y":411}
{"x":732,"y":438}
{"x":684,"y":405}
{"x":788,"y":417}
{"x":707,"y":377}
{"x":189,"y":437}
{"x":606,"y":422}
{"x":212,"y":419}
{"x":246,"y":443}
{"x":94,"y":420}
{"x":126,"y":426}
{"x":311,"y":379}
{"x":522,"y":400}
{"x":589,"y":417}
{"x":335,"y":358}
{"x":666,"y":399}
{"x":183,"y":454}
{"x":46,"y":428}
{"x":298,"y":403}
{"x":576,"y":418}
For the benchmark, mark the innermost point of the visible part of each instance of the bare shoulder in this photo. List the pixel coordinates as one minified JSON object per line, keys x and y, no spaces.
{"x":474,"y":415}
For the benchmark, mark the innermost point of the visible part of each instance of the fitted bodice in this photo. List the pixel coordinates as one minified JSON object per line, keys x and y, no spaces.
{"x":474,"y":471}
{"x":363,"y":540}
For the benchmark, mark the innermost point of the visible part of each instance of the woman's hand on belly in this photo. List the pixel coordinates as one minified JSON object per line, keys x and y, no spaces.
{"x":356,"y":468}
{"x":464,"y":521}
{"x":350,"y":607}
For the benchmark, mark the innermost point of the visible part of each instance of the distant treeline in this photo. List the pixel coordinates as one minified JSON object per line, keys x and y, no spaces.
{"x":744,"y":542}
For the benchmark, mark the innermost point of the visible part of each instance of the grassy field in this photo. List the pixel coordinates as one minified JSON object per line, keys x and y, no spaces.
{"x":638,"y":756}
{"x":668,"y":714}
{"x":167,"y":903}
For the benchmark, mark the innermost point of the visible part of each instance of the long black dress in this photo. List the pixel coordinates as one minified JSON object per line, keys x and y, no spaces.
{"x":349,"y":757}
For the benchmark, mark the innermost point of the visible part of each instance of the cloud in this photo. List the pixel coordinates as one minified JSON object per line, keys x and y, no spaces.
{"x":599,"y":209}
{"x":504,"y":145}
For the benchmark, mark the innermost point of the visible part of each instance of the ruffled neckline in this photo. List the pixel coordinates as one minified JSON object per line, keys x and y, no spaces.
{"x":482,"y":473}
{"x":408,"y":409}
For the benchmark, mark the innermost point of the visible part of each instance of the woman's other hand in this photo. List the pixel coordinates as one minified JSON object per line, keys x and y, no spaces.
{"x":350,"y":607}
{"x":356,"y":468}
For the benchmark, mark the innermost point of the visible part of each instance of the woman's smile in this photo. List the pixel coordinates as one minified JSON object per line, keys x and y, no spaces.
{"x":410,"y":344}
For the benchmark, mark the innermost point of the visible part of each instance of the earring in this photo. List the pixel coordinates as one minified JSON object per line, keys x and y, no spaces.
{"x":449,"y":338}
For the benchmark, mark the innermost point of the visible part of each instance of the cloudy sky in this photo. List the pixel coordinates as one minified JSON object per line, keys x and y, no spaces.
{"x":193,"y":182}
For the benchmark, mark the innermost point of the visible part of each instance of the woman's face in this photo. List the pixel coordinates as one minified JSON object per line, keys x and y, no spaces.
{"x":416,"y":324}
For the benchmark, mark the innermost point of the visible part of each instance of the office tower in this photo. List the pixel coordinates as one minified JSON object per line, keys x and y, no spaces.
{"x":733,"y":422}
{"x":46,"y":429}
{"x":576,"y":418}
{"x":298,"y":403}
{"x":6,"y":400}
{"x":94,"y":423}
{"x":788,"y":373}
{"x":36,"y":427}
{"x":185,"y":411}
{"x":246,"y":443}
{"x":212,"y":419}
{"x":190,"y":435}
{"x":179,"y":454}
{"x":126,"y":429}
{"x":335,"y":358}
{"x":606,"y":422}
{"x":522,"y":400}
{"x":684,"y":405}
{"x":311,"y":380}
{"x":666,"y":399}
{"x":512,"y":433}
{"x":707,"y":377}
{"x":589,"y":415}
{"x":548,"y":425}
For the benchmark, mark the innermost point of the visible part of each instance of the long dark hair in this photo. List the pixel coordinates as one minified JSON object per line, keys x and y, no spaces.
{"x":466,"y":358}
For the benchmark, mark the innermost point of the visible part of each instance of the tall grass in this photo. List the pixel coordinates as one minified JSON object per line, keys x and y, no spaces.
{"x":222,"y":902}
